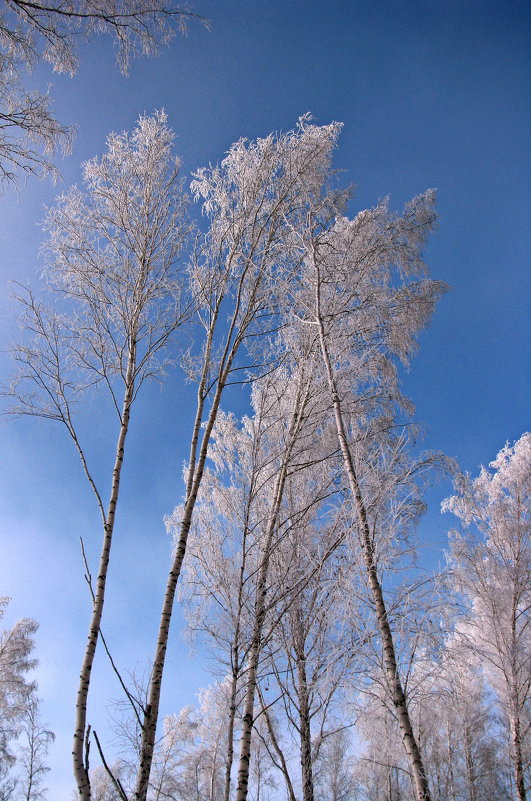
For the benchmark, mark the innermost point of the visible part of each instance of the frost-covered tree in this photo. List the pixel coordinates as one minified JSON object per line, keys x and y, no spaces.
{"x":24,"y":741}
{"x":295,"y":449}
{"x":462,"y":742}
{"x":366,"y":293}
{"x":34,"y":743}
{"x":112,"y":258}
{"x":16,"y":691}
{"x":51,"y":31}
{"x":308,"y":656}
{"x":242,"y":570}
{"x":239,"y":272}
{"x":380,"y":765}
{"x":491,"y":565}
{"x":333,"y":769}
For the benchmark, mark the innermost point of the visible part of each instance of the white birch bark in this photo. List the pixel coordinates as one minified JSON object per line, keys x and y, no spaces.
{"x":79,"y":744}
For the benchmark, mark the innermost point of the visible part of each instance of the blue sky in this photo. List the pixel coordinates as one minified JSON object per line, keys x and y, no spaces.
{"x":431,"y":94}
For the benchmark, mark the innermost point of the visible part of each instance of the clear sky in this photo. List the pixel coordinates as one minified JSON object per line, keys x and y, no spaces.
{"x":432,"y":93}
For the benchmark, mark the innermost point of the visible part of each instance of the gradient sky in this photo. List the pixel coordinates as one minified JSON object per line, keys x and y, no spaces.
{"x":432,"y":94}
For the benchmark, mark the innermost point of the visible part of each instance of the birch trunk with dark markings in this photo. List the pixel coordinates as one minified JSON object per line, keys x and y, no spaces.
{"x":78,"y":749}
{"x":391,"y":667}
{"x":365,"y":322}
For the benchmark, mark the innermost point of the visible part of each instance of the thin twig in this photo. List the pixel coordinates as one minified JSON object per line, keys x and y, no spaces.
{"x":117,"y":783}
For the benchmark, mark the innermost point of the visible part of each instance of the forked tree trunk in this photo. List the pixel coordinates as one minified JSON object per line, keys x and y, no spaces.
{"x":80,"y":747}
{"x":196,"y":469}
{"x":393,"y":678}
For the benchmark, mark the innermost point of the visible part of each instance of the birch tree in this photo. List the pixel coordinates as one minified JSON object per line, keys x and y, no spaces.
{"x":223,"y":551}
{"x":491,"y":562}
{"x":30,"y":134}
{"x":232,"y":534}
{"x":112,"y":256}
{"x":238,"y":276}
{"x":366,"y":293}
{"x":296,"y":438}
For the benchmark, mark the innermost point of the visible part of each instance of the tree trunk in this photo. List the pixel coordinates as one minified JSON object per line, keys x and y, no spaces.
{"x":235,"y":657}
{"x":514,"y":716}
{"x":80,"y":747}
{"x":304,"y":715}
{"x":518,"y":762}
{"x":229,"y":759}
{"x":391,"y":668}
{"x":151,"y":712}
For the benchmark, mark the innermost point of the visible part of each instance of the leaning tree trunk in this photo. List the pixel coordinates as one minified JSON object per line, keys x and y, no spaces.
{"x":80,"y":746}
{"x":391,"y":668}
{"x":151,"y":711}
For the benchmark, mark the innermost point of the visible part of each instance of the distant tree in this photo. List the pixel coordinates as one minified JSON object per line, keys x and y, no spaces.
{"x":101,"y":784}
{"x":35,"y":31}
{"x":16,"y":692}
{"x":491,"y":564}
{"x":24,"y":742}
{"x":462,"y":742}
{"x":112,"y":258}
{"x":380,"y":765}
{"x":35,"y":742}
{"x":333,"y":770}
